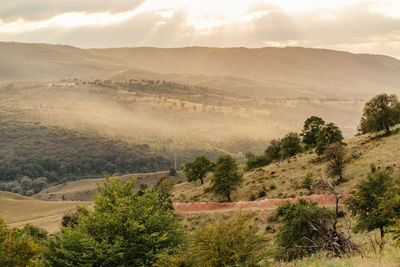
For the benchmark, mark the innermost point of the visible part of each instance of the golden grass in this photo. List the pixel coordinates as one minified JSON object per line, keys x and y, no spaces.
{"x":18,"y":211}
{"x":287,"y":175}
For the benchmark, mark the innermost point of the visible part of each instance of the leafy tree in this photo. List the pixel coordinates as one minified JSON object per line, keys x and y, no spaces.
{"x":226,"y":176}
{"x":329,"y":134}
{"x":256,"y":162}
{"x":125,"y":229}
{"x":310,"y":130}
{"x":198,"y":169}
{"x":291,"y":145}
{"x":228,"y":242}
{"x":336,"y":160}
{"x":380,"y":113}
{"x":296,"y":230}
{"x":18,"y":248}
{"x":273,"y":151}
{"x":375,"y":203}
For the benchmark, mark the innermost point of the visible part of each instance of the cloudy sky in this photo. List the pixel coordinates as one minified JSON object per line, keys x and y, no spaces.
{"x":361,"y":26}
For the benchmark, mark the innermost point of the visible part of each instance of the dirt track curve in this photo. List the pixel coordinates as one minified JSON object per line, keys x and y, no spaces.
{"x":326,"y":199}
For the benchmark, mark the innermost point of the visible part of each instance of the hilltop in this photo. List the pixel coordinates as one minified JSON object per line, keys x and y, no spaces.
{"x":261,"y":72}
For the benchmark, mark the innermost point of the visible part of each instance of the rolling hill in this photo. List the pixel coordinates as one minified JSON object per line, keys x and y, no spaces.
{"x":263,"y":72}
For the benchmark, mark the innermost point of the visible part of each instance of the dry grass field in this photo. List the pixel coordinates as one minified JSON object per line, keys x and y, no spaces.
{"x":18,"y":210}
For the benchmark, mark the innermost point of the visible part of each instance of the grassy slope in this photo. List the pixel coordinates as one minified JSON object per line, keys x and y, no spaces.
{"x":85,"y":190}
{"x":287,"y":175}
{"x":18,"y":210}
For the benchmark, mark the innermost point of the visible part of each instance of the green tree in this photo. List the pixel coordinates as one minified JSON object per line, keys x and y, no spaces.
{"x":335,"y":156}
{"x":310,"y":130}
{"x":198,"y":169}
{"x":228,"y":242}
{"x":125,"y":229}
{"x":226,"y":176}
{"x":18,"y":248}
{"x":329,"y":134}
{"x":296,"y":231}
{"x":291,"y":145}
{"x":380,"y":113}
{"x":256,"y":162}
{"x":273,"y":151}
{"x":375,"y":203}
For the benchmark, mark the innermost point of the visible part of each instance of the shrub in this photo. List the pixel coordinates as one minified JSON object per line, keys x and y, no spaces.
{"x":229,"y":242}
{"x":256,"y":162}
{"x":124,"y":229}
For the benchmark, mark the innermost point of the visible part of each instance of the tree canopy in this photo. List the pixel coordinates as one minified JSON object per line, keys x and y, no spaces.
{"x":198,"y":169}
{"x":310,"y":130}
{"x":125,"y":229}
{"x":375,"y":203}
{"x":291,"y":145}
{"x":380,"y":113}
{"x":226,"y":176}
{"x":329,"y":134}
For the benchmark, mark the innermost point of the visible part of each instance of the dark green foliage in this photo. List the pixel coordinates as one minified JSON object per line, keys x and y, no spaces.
{"x":376,"y":203}
{"x":291,"y":145}
{"x":310,"y":130}
{"x":256,"y":162}
{"x":329,"y":134}
{"x":273,"y":151}
{"x":228,"y":242}
{"x":36,"y":232}
{"x":261,"y":193}
{"x":198,"y":169}
{"x":335,"y":156}
{"x":124,"y":229}
{"x":226,"y":176}
{"x":380,"y":113}
{"x":296,"y":230}
{"x":34,"y":150}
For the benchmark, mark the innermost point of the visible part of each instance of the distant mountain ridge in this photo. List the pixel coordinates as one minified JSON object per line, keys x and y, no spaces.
{"x":262,"y":72}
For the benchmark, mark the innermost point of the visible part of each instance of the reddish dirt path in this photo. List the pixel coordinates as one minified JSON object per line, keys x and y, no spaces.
{"x":326,"y":199}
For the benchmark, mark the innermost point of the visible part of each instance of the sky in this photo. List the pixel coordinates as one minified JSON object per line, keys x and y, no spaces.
{"x":359,"y":26}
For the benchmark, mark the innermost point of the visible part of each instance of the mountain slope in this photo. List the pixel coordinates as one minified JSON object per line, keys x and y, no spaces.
{"x":263,"y":72}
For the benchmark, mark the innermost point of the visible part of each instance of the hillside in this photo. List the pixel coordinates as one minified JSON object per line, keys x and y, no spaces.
{"x":283,"y":179}
{"x":85,"y":190}
{"x":264,"y":72}
{"x":278,"y":180}
{"x":18,"y":211}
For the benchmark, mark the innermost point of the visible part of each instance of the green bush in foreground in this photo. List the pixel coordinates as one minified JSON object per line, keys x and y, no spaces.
{"x":124,"y":229}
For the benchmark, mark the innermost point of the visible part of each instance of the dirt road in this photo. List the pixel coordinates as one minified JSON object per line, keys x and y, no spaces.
{"x":326,"y":199}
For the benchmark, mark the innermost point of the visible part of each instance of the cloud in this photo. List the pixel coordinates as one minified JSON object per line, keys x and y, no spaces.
{"x":360,"y":27}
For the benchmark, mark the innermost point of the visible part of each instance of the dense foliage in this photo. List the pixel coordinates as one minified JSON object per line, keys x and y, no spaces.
{"x":34,"y":150}
{"x":329,"y":134}
{"x":20,"y":248}
{"x":198,"y":169}
{"x":291,"y":145}
{"x":376,"y":203}
{"x":310,"y":130}
{"x":380,"y":113}
{"x":256,"y":162}
{"x":226,"y":176}
{"x":296,"y":230}
{"x":125,"y":229}
{"x":228,"y":242}
{"x":335,"y":156}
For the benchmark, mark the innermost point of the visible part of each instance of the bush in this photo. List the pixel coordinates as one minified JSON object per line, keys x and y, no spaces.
{"x":229,"y":242}
{"x":256,"y":162}
{"x":261,"y":194}
{"x":125,"y":229}
{"x":291,"y":145}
